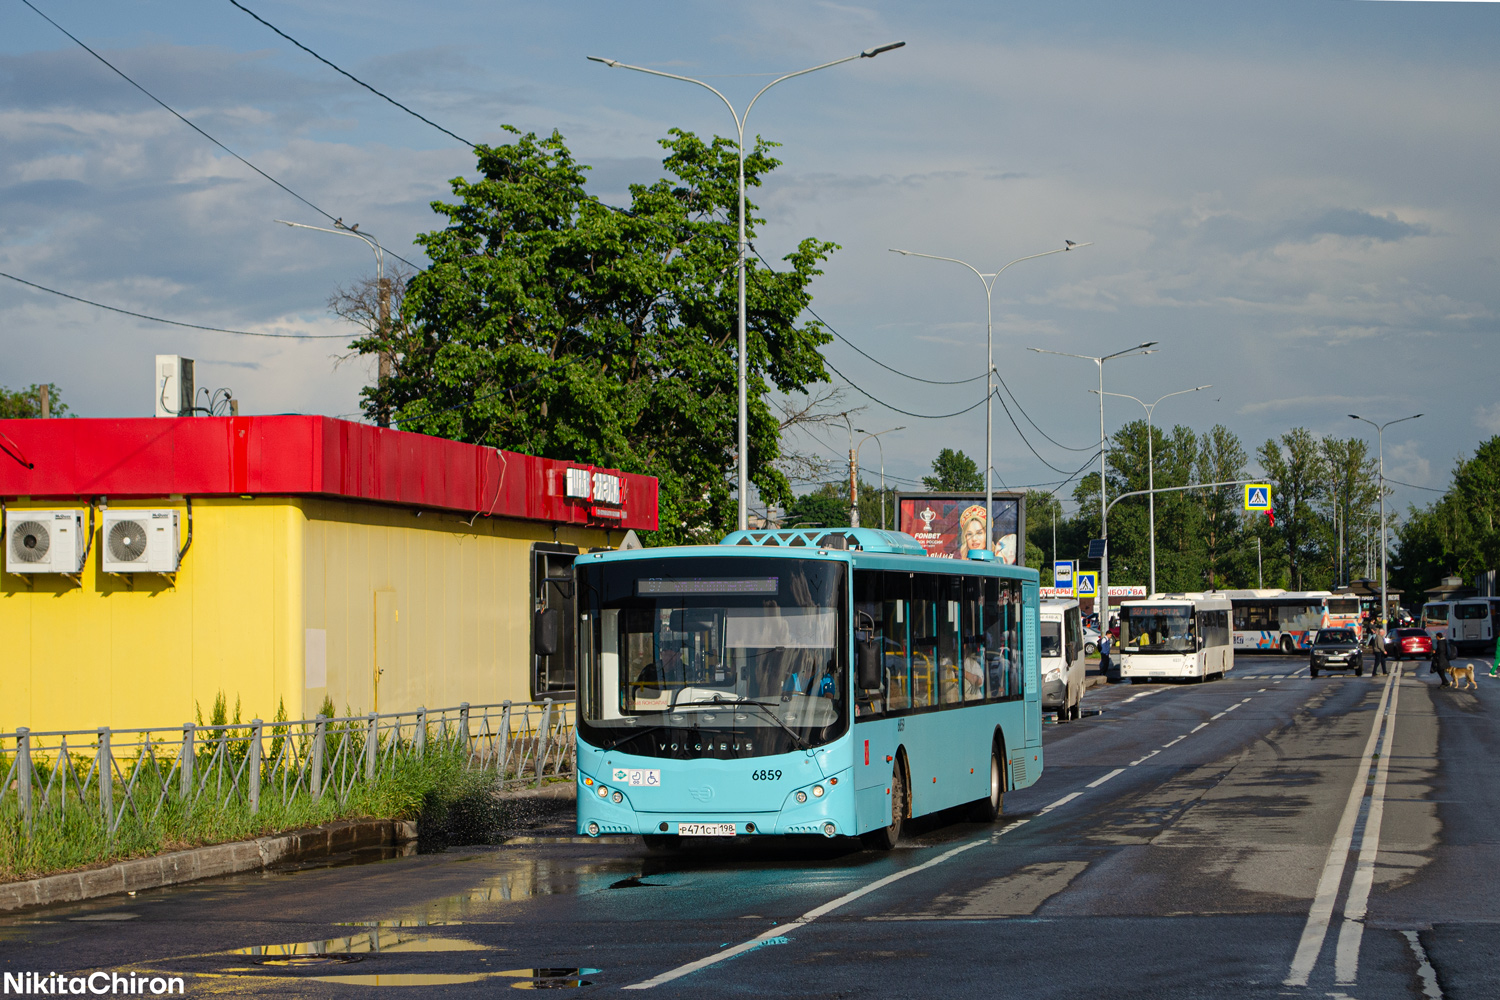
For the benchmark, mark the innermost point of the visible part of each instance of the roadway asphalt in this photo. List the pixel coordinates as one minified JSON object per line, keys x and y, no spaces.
{"x":1208,"y":840}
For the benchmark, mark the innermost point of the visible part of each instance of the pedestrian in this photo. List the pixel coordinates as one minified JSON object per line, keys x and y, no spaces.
{"x":1441,"y":661}
{"x":1104,"y":647}
{"x":1379,"y":644}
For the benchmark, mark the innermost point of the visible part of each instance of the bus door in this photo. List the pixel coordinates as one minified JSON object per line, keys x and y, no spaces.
{"x":1032,"y":621}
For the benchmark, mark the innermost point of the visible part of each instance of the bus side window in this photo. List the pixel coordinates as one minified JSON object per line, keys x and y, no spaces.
{"x":950,"y":665}
{"x":972,"y":638}
{"x":992,"y":615}
{"x":1015,"y":648}
{"x":924,"y":640}
{"x":869,"y":625}
{"x":896,"y":599}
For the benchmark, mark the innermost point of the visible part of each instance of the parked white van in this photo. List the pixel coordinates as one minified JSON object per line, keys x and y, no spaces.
{"x":1063,"y":658}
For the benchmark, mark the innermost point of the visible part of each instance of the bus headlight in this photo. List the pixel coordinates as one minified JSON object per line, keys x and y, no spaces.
{"x":801,"y":797}
{"x":617,"y":798}
{"x":829,"y":829}
{"x":817,"y":791}
{"x":603,"y":792}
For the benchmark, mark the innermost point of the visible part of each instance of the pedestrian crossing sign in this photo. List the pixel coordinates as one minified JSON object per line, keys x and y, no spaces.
{"x":1085,"y":583}
{"x":1258,"y":496}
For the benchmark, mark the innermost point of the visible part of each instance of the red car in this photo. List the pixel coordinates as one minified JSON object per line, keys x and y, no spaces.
{"x":1408,"y":644}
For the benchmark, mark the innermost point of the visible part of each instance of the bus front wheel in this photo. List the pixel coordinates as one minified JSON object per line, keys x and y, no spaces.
{"x":1286,"y":645}
{"x":887,"y":838}
{"x":987,"y":810}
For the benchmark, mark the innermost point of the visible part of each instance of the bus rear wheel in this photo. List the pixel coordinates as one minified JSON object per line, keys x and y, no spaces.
{"x":887,"y":838}
{"x":987,"y":810}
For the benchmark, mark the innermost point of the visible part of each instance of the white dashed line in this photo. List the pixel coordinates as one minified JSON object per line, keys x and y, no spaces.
{"x":1153,"y":753}
{"x":1231,"y":708}
{"x":1175,"y":742}
{"x":1262,"y":690}
{"x":1099,"y":781}
{"x":1061,"y":802}
{"x":1212,"y":718}
{"x":1197,"y":727}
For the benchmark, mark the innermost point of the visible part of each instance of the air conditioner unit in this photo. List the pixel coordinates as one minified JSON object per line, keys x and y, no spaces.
{"x":44,"y":541}
{"x":174,"y":386}
{"x":140,"y":541}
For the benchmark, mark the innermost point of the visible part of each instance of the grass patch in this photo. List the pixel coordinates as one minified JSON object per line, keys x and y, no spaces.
{"x":438,"y":789}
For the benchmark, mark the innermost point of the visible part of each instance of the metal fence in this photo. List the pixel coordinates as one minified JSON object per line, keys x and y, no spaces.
{"x":109,"y":774}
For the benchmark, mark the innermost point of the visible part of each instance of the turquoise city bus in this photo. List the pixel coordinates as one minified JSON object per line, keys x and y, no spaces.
{"x":801,"y":682}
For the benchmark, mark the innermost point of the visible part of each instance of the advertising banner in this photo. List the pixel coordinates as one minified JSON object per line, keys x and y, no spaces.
{"x":949,"y":524}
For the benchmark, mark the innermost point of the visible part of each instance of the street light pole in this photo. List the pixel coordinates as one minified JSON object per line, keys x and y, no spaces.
{"x":383,"y":298}
{"x":988,"y":280}
{"x":1143,"y":348}
{"x":1380,"y":439}
{"x":878,"y":442}
{"x":739,"y":124}
{"x":1151,"y":464}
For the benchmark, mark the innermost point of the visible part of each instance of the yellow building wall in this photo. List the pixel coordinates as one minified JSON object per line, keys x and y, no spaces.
{"x":145,"y":651}
{"x":444,"y":605}
{"x":426,"y":611}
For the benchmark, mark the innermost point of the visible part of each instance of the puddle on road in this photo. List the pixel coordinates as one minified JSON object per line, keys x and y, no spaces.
{"x":101,"y":917}
{"x":353,"y":948}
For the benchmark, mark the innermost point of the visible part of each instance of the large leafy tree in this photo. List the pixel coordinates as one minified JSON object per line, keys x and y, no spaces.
{"x":1459,"y":534}
{"x":554,"y":324}
{"x":953,"y":470}
{"x":1295,"y":466}
{"x":1221,"y":459}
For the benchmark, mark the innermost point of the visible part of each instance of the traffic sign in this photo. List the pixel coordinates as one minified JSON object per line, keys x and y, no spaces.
{"x":1085,"y":583}
{"x":1097,"y":547}
{"x":1062,"y":574}
{"x":1258,"y":496}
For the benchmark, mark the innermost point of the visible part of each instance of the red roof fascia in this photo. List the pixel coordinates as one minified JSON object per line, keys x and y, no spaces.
{"x":300,"y":456}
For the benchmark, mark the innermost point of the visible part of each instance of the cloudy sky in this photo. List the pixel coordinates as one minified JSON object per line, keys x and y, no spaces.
{"x":1298,"y":200}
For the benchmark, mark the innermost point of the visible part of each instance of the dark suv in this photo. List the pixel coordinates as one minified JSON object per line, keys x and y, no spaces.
{"x":1336,"y":649}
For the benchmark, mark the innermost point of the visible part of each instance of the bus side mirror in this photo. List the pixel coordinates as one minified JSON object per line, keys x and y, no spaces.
{"x":867,"y":653}
{"x":545,"y":628}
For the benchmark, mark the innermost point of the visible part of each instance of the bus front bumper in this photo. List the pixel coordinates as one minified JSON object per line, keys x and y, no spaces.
{"x":829,"y":812}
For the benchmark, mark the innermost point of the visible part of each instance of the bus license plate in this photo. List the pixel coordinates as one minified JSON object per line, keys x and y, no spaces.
{"x":705,"y":830}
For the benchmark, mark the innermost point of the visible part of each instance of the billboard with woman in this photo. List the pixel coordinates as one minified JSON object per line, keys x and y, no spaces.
{"x":949,"y":524}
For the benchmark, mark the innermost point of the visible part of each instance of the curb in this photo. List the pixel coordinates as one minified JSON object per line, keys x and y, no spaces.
{"x":206,"y":862}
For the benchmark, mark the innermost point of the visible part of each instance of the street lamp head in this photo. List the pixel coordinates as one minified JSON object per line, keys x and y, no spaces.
{"x":611,"y":63}
{"x":904,"y":253}
{"x":872,"y":53}
{"x":1355,"y":416}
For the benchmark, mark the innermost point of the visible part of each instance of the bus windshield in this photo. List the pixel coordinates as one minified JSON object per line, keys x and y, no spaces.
{"x":1165,"y":629}
{"x":748,"y":649}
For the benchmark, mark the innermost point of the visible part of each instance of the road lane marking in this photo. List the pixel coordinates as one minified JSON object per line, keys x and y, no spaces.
{"x":1099,"y":781}
{"x":1321,"y":911}
{"x":1060,"y":802}
{"x":1153,"y":753}
{"x":1425,"y":971}
{"x":1346,"y":959}
{"x":1197,"y":727}
{"x":1175,"y":742}
{"x":1262,"y":690}
{"x":1143,"y":694}
{"x":783,"y":929}
{"x":1213,"y":718}
{"x":1231,"y":708}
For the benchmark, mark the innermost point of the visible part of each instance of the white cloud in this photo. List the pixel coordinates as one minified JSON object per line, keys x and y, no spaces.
{"x":1487,"y":418}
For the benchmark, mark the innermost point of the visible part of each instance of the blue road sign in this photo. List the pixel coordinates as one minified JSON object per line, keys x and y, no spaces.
{"x":1062,"y":574}
{"x":1085,"y":583}
{"x":1257,"y":496}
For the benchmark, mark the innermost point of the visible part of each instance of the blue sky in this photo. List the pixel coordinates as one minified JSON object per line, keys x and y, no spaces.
{"x":1297,"y":200}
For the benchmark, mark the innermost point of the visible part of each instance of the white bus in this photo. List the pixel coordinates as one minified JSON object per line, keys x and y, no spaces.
{"x":1175,"y":635}
{"x":1063,"y":658}
{"x":1280,"y":621}
{"x":1470,"y":622}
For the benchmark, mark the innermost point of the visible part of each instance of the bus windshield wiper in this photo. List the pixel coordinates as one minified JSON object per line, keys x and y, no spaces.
{"x":797,"y":740}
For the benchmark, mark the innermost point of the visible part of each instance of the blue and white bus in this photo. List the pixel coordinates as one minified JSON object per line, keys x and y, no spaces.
{"x":801,"y":682}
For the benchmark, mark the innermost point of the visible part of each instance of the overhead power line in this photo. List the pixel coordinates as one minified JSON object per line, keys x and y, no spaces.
{"x":173,"y":322}
{"x":339,"y":69}
{"x":121,"y":74}
{"x":1414,"y":486}
{"x":888,"y":406}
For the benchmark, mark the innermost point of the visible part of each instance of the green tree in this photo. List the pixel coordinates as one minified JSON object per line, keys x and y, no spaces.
{"x":553,"y":324}
{"x":825,"y":507}
{"x":953,"y":470}
{"x":1298,"y":483}
{"x":1352,"y":498}
{"x":1221,"y":458}
{"x":1460,"y":534}
{"x":22,"y":404}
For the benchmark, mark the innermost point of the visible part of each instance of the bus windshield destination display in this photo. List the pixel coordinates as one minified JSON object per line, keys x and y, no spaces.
{"x":708,"y":588}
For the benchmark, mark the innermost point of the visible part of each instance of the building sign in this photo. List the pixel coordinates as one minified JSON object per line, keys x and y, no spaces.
{"x":1063,"y":594}
{"x":600,"y":487}
{"x":948,"y":525}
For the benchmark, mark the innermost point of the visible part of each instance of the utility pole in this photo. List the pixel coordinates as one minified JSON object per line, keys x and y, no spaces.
{"x":387,"y":360}
{"x":45,"y":394}
{"x":853,"y":491}
{"x":1260,"y":579}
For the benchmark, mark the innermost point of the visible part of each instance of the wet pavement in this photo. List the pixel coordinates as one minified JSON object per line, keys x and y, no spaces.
{"x":1266,"y":835}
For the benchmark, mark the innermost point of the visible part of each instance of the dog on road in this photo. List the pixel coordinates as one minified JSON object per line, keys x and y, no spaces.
{"x":1465,"y":671}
